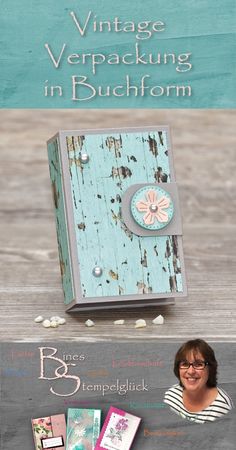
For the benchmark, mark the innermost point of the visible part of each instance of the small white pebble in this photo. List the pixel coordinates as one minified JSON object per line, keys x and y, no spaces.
{"x":46,"y":323}
{"x":38,"y":319}
{"x":140,"y":323}
{"x":159,"y":320}
{"x":54,"y":323}
{"x":89,"y":323}
{"x":119,"y":322}
{"x":55,"y":318}
{"x":61,"y":321}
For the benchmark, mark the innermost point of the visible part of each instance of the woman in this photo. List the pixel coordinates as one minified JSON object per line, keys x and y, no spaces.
{"x":197,"y":396}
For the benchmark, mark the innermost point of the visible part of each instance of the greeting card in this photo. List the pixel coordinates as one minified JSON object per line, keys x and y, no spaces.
{"x":49,"y":432}
{"x":118,"y":430}
{"x":83,"y":428}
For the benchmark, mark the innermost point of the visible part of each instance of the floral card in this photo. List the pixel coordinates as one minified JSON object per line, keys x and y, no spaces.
{"x":49,"y":432}
{"x":118,"y":430}
{"x":83,"y":428}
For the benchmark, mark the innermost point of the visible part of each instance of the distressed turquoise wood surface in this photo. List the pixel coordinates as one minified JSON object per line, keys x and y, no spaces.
{"x":61,"y":227}
{"x":131,"y":264}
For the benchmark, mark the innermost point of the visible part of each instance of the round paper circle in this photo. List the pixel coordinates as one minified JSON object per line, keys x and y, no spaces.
{"x":152,"y":207}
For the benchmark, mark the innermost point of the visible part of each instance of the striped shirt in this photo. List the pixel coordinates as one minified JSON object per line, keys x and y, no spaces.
{"x":220,"y":406}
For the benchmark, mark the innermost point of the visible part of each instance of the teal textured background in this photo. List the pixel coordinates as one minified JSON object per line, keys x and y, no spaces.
{"x":131,"y":264}
{"x":205,"y":28}
{"x":62,"y":233}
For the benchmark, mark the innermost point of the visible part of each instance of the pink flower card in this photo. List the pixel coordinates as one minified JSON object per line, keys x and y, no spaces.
{"x":118,"y":430}
{"x":49,"y":432}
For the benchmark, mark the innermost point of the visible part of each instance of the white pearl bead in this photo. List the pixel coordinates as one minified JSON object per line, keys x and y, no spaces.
{"x":97,"y":271}
{"x":84,"y":158}
{"x":153,"y":208}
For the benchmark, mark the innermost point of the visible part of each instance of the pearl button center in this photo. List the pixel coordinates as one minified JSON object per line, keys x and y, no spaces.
{"x":153,"y":208}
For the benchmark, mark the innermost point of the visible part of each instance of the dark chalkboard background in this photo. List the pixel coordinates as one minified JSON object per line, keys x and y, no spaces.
{"x":24,"y":395}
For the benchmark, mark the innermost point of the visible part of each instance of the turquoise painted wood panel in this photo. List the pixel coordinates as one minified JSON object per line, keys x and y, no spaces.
{"x":131,"y":264}
{"x":60,"y":216}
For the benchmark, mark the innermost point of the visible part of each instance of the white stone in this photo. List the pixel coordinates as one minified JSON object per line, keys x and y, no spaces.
{"x":55,"y":318}
{"x":38,"y":319}
{"x":119,"y":322}
{"x":54,"y":323}
{"x":89,"y":323}
{"x":61,"y":321}
{"x":46,"y":323}
{"x":159,"y":320}
{"x":140,"y":323}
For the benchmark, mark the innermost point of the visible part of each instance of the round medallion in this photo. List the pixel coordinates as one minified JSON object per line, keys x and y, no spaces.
{"x":152,"y":207}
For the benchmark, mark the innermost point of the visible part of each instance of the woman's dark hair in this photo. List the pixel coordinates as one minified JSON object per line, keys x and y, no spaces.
{"x":198,"y":346}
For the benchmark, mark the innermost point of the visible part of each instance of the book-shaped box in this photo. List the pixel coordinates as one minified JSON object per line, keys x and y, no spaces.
{"x":118,"y":430}
{"x":83,"y":428}
{"x":49,"y":432}
{"x":117,"y":217}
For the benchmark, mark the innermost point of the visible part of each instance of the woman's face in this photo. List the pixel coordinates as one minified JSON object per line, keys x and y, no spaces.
{"x":192,"y":379}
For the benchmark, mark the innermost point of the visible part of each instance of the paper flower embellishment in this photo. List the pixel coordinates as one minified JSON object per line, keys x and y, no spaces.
{"x":152,"y":207}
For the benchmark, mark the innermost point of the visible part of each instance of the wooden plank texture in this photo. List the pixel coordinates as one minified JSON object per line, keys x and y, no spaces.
{"x":205,"y":164}
{"x":131,"y":264}
{"x":117,"y":369}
